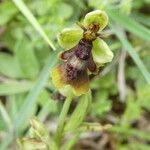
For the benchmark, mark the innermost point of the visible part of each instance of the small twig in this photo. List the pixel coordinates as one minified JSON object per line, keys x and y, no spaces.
{"x":121,"y":76}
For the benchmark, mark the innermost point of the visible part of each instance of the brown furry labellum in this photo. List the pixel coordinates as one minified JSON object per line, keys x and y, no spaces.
{"x":74,"y":70}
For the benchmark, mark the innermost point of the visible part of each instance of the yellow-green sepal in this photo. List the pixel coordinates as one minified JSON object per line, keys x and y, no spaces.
{"x":97,"y":16}
{"x":101,"y":52}
{"x":69,"y":37}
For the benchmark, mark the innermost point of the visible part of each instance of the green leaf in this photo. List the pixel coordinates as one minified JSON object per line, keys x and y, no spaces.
{"x":128,"y":47}
{"x":30,"y":100}
{"x":7,"y":11}
{"x":132,"y":112}
{"x":101,"y":104}
{"x":49,"y":108}
{"x":26,"y":59}
{"x":142,"y":18}
{"x":67,"y":13}
{"x":30,"y":17}
{"x":10,"y":88}
{"x":9,"y":66}
{"x":129,"y":24}
{"x":125,"y":131}
{"x":79,"y":113}
{"x":5,"y":116}
{"x":144,"y":96}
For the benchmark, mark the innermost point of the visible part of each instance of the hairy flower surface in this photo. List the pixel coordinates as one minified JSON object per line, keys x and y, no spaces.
{"x":85,"y":53}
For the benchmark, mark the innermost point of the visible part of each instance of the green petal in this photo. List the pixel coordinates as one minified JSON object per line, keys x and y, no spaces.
{"x":97,"y":16}
{"x":101,"y":52}
{"x":69,"y":37}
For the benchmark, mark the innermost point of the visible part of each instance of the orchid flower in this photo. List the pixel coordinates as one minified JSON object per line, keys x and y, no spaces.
{"x":85,"y":51}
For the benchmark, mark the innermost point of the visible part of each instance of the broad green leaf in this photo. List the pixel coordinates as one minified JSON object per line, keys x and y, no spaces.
{"x":8,"y":66}
{"x":26,"y":59}
{"x":7,"y":11}
{"x":10,"y":88}
{"x":129,"y":24}
{"x":128,"y":47}
{"x":30,"y":17}
{"x":79,"y":113}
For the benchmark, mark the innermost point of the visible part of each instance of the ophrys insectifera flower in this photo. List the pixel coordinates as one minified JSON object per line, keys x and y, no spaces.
{"x":85,"y":53}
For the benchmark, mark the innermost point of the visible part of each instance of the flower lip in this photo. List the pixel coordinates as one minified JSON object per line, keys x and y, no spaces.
{"x":83,"y":49}
{"x":72,"y":72}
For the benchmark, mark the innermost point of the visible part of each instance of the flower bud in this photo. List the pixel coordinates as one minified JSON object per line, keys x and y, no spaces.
{"x":38,"y":130}
{"x":31,"y":144}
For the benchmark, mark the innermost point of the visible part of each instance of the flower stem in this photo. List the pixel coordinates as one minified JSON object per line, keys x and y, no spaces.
{"x":61,"y":122}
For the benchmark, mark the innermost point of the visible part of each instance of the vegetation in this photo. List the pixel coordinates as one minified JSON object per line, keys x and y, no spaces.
{"x":113,"y":116}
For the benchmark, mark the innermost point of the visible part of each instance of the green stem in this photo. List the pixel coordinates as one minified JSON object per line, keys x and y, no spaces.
{"x":61,"y":122}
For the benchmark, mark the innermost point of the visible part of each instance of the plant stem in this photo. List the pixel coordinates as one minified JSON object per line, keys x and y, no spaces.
{"x":61,"y":122}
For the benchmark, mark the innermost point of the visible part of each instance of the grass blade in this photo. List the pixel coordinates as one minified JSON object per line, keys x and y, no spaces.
{"x":5,"y":116}
{"x":130,"y":24}
{"x":142,"y":18}
{"x":130,"y":132}
{"x":31,"y":98}
{"x":10,"y":88}
{"x":121,"y":36}
{"x":27,"y":13}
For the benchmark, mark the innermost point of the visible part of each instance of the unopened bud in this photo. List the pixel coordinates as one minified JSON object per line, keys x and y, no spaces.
{"x":31,"y":144}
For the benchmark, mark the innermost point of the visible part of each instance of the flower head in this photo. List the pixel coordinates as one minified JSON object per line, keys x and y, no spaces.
{"x":86,"y":51}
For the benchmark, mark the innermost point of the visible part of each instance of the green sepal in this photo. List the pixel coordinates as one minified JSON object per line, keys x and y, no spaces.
{"x":97,"y":16}
{"x":69,"y":37}
{"x":101,"y":52}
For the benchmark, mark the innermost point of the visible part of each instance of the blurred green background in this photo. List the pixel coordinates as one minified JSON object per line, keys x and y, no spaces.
{"x":121,"y":92}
